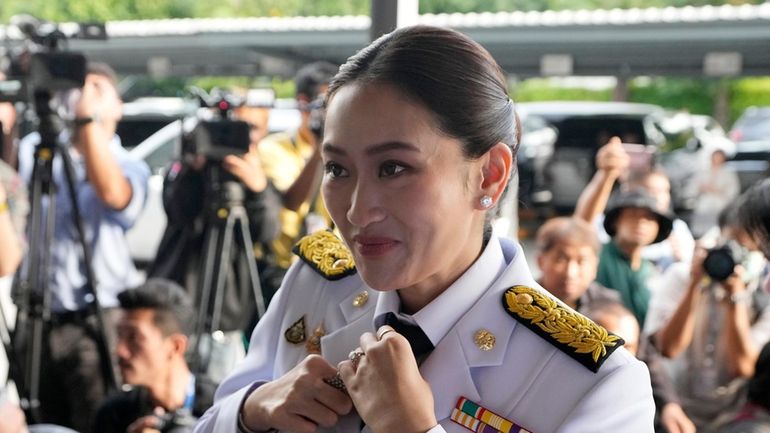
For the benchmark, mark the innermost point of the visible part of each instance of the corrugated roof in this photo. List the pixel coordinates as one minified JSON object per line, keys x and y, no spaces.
{"x":601,"y":16}
{"x":619,"y":17}
{"x":189,"y":26}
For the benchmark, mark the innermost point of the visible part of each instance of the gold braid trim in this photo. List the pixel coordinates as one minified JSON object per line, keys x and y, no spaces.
{"x":326,"y":253}
{"x":567,"y":327}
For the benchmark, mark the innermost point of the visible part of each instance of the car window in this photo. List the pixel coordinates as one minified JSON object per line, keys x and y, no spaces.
{"x":592,"y":132}
{"x":133,"y":131}
{"x":162,"y":156}
{"x":754,"y":124}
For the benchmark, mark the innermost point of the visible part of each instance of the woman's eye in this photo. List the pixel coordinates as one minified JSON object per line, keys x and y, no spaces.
{"x":333,"y":170}
{"x":391,"y":169}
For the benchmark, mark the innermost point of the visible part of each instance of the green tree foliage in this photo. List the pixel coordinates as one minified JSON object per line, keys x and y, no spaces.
{"x":747,"y":92}
{"x":695,"y":95}
{"x":104,"y":10}
{"x":540,"y":89}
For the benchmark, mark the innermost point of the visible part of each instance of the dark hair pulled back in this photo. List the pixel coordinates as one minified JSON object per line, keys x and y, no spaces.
{"x":451,"y":75}
{"x":754,"y":214}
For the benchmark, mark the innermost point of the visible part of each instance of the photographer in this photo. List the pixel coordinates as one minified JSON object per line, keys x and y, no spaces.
{"x":717,"y":326}
{"x":110,"y":187}
{"x":152,"y":340}
{"x":292,"y":161}
{"x":190,"y":201}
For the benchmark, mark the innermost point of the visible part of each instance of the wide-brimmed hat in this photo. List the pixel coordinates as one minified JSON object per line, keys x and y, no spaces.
{"x":639,"y":200}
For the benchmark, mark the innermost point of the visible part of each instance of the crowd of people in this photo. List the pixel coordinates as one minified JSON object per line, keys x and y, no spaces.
{"x":376,"y":224}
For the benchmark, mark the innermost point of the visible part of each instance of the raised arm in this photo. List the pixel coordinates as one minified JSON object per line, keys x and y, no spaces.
{"x":674,"y":337}
{"x":306,"y":184}
{"x":742,"y":352}
{"x":611,"y":161}
{"x":100,"y":106}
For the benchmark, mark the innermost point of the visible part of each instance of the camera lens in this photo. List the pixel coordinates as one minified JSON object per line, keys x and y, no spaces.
{"x":719,"y":263}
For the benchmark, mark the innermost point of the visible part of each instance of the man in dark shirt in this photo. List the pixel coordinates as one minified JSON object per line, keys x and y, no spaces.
{"x":152,"y":341}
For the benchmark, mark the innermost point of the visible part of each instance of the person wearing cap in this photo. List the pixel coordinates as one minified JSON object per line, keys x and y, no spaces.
{"x":613,"y":169}
{"x":633,"y":221}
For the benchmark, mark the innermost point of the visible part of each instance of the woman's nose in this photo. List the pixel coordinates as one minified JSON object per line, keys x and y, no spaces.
{"x":364,"y":206}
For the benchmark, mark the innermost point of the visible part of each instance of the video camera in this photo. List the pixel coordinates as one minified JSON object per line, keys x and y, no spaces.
{"x":36,"y":65}
{"x":221,"y":135}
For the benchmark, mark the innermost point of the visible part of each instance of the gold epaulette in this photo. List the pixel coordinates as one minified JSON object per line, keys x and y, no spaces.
{"x":573,"y":333}
{"x":326,"y":253}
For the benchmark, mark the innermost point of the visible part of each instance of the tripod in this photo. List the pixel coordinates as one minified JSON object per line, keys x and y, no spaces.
{"x":226,"y":232}
{"x":34,"y":300}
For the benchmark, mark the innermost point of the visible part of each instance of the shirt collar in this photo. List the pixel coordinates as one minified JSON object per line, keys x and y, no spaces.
{"x":441,"y":314}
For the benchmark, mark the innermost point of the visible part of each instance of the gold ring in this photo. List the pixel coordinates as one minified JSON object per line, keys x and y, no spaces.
{"x":382,"y":331}
{"x":356,"y":356}
{"x":336,"y":382}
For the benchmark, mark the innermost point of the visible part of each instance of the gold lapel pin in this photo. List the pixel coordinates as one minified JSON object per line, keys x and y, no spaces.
{"x":361,"y":299}
{"x":313,"y":344}
{"x":484,"y":339}
{"x":296,"y":332}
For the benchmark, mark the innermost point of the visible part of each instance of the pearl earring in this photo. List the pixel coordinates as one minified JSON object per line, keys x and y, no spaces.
{"x":486,"y":202}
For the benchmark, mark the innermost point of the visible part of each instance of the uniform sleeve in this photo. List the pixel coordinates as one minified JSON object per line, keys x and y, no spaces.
{"x":258,"y":366}
{"x":621,"y":402}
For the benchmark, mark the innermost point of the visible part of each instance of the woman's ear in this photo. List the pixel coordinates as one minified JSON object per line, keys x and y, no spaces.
{"x":496,"y":171}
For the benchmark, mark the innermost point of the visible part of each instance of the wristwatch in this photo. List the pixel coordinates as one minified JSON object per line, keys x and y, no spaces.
{"x":742,"y":297}
{"x":82,"y":121}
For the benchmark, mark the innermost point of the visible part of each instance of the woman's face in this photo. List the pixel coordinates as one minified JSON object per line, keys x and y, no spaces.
{"x":402,"y":194}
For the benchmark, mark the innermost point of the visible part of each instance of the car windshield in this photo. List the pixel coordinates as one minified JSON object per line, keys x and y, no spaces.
{"x":754,"y":124}
{"x":133,"y":131}
{"x":592,"y":132}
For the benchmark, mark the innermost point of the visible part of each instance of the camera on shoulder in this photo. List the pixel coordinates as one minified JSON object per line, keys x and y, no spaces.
{"x":219,"y":135}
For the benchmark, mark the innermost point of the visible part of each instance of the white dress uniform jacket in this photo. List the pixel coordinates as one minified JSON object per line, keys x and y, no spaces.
{"x":524,"y":377}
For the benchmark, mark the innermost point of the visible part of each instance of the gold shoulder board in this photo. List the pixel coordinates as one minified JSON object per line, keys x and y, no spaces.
{"x":573,"y":333}
{"x":326,"y":253}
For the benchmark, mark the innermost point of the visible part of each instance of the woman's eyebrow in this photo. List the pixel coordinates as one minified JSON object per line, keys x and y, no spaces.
{"x":375,"y":149}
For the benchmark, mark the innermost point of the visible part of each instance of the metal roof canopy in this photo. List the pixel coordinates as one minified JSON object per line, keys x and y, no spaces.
{"x":632,"y":42}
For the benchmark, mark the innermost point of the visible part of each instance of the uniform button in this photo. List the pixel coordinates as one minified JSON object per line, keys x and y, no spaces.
{"x":710,"y":347}
{"x":484,"y":340}
{"x":361,"y":299}
{"x":340,"y":263}
{"x":524,"y":298}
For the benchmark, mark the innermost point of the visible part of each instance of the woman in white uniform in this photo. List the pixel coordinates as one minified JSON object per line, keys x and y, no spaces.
{"x":420,"y":319}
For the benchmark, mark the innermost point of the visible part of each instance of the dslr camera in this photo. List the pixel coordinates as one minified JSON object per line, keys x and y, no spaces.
{"x":720,"y":261}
